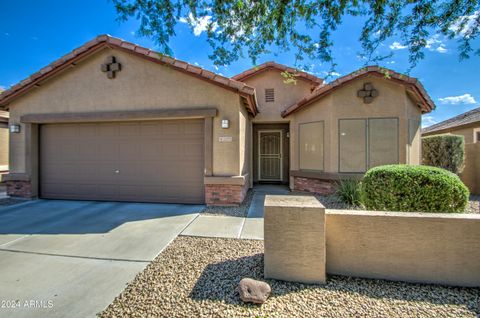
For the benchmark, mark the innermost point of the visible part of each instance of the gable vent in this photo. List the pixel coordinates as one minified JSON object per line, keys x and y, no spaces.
{"x":269,"y":95}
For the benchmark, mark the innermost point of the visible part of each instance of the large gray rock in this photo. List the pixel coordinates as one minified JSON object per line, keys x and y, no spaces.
{"x":253,"y":291}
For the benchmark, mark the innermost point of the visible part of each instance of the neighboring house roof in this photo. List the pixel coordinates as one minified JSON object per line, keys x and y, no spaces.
{"x":272,"y":65}
{"x":103,"y":41}
{"x":470,"y":117}
{"x":413,"y":85}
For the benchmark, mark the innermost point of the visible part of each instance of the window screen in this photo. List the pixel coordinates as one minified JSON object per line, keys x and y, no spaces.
{"x":269,"y":95}
{"x":382,"y":141}
{"x":413,"y":126}
{"x":352,"y":145}
{"x":311,"y":146}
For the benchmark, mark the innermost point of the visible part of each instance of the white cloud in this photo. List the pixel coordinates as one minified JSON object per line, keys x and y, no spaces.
{"x":334,"y":74}
{"x":397,"y":46}
{"x":428,"y":120}
{"x":455,"y":100}
{"x":391,"y":62}
{"x":468,"y":22}
{"x":200,"y":24}
{"x":441,"y":49}
{"x":436,"y":44}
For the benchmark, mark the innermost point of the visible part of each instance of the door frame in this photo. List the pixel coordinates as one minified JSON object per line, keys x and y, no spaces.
{"x":259,"y":154}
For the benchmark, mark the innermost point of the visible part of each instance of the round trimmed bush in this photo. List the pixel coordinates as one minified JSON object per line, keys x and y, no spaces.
{"x":413,"y":188}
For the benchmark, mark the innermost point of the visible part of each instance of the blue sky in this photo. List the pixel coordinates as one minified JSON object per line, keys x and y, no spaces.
{"x":35,"y":33}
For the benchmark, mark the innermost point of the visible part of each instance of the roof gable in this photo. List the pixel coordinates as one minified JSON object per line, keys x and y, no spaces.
{"x":414,"y":88}
{"x":102,"y":41}
{"x":254,"y":71}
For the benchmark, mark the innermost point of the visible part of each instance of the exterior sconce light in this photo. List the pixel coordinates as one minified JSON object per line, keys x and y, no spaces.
{"x":15,"y":128}
{"x":225,"y":123}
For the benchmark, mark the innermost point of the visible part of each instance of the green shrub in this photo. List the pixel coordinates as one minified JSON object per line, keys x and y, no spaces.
{"x":413,"y":188}
{"x":444,"y":151}
{"x":349,"y":191}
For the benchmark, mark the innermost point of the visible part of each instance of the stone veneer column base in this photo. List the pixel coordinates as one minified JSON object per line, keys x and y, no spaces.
{"x":225,"y":194}
{"x":320,"y":186}
{"x":21,"y":189}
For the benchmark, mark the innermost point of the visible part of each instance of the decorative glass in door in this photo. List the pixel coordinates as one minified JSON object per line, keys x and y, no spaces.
{"x":270,"y":155}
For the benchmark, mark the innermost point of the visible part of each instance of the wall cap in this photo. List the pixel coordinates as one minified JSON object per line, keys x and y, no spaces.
{"x":230,"y":180}
{"x":363,"y":213}
{"x":293,"y":201}
{"x":15,"y":177}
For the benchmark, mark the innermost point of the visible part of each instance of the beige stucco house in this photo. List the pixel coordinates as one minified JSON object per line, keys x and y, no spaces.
{"x":115,"y":121}
{"x":3,"y":141}
{"x":468,"y":126}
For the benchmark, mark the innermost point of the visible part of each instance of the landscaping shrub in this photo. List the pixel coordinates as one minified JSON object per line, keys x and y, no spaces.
{"x":413,"y":188}
{"x":349,"y":191}
{"x":444,"y":151}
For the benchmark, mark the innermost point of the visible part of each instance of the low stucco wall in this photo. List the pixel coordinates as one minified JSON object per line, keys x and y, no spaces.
{"x":412,"y":247}
{"x":471,"y":173}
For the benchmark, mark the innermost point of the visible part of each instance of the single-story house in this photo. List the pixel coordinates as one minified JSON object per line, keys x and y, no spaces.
{"x":115,"y":121}
{"x":468,"y":126}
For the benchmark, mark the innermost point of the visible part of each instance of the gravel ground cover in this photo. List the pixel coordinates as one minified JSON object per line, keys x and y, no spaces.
{"x":198,"y":277}
{"x":474,"y":204}
{"x":240,"y":211}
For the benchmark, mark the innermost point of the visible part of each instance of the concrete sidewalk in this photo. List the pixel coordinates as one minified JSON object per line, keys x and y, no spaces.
{"x":249,"y":228}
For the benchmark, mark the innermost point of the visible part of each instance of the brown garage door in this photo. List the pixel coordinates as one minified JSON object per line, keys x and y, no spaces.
{"x":150,"y":161}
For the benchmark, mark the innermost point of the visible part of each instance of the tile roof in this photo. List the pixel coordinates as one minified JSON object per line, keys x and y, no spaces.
{"x":273,"y":65}
{"x":470,"y":117}
{"x":102,"y":41}
{"x":414,"y":86}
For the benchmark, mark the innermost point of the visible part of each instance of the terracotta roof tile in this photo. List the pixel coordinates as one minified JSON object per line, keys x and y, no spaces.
{"x":323,"y":90}
{"x":106,"y":40}
{"x":273,"y":65}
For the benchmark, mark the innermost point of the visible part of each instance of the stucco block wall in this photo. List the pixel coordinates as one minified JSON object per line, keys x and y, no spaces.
{"x":413,"y":247}
{"x":343,"y":103}
{"x":140,"y":85}
{"x":285,"y":94}
{"x":471,"y":172}
{"x":294,"y":239}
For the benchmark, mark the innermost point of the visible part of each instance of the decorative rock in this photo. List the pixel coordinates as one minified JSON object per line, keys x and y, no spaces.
{"x":253,"y":291}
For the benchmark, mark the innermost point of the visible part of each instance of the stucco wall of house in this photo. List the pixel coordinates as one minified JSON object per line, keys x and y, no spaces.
{"x":141,"y":85}
{"x":414,"y":132}
{"x":285,"y":94}
{"x":4,"y":149}
{"x":343,"y":103}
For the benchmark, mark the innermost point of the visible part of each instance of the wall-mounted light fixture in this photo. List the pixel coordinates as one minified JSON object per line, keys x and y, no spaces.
{"x":225,"y":123}
{"x":15,"y":128}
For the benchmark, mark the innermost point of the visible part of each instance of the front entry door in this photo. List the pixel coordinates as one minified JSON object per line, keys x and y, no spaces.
{"x":270,"y":155}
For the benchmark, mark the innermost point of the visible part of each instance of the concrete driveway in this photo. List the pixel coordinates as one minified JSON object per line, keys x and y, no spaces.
{"x":72,"y":258}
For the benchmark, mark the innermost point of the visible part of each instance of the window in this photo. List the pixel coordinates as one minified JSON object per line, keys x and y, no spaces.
{"x":477,"y":135}
{"x":311,"y":146}
{"x":352,"y":145}
{"x":269,"y":95}
{"x":367,"y":143}
{"x":382,"y":141}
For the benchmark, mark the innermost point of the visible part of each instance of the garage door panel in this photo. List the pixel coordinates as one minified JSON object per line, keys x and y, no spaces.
{"x":154,"y":161}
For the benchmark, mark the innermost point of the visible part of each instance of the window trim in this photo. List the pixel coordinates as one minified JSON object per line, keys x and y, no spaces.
{"x":299,"y":145}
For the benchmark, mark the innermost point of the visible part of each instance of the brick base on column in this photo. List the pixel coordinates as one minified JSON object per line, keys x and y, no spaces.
{"x":21,"y":189}
{"x":225,"y":194}
{"x":320,"y":186}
